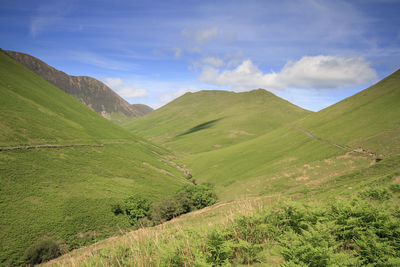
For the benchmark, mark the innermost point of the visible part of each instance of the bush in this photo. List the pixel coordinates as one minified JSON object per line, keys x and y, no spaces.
{"x":218,"y":250}
{"x":201,"y":195}
{"x":167,"y":209}
{"x":376,"y":194}
{"x":116,"y":209}
{"x":190,"y":198}
{"x":136,"y":207}
{"x":42,"y":251}
{"x":395,"y":188}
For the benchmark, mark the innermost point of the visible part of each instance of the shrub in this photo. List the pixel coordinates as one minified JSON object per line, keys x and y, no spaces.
{"x":116,"y":209}
{"x":191,"y":197}
{"x":166,"y":209}
{"x":218,"y":250}
{"x":136,"y":207}
{"x":395,"y":188}
{"x":376,"y":194}
{"x":201,"y":195}
{"x":42,"y":251}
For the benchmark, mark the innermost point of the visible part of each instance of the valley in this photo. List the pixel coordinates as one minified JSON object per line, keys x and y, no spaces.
{"x":282,"y":174}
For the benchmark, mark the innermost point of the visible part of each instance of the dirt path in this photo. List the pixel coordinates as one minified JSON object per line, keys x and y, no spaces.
{"x":55,"y":146}
{"x":357,"y":150}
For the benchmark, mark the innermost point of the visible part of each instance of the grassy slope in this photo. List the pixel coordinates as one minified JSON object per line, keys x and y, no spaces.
{"x":369,"y":119}
{"x":32,"y":111}
{"x":286,"y":158}
{"x":284,"y":163}
{"x":207,"y":120}
{"x":283,"y":160}
{"x":66,"y":193}
{"x":182,"y":236}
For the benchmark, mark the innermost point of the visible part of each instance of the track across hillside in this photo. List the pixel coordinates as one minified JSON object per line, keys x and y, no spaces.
{"x":56,"y":146}
{"x":357,"y":150}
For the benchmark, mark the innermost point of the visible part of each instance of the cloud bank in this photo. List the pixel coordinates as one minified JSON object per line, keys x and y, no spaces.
{"x":317,"y":72}
{"x":124,"y":91}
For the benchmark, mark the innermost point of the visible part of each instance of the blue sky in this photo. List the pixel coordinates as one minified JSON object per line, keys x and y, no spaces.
{"x":312,"y":53}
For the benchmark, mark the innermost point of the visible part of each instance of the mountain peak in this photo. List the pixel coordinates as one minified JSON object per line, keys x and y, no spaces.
{"x":91,"y":92}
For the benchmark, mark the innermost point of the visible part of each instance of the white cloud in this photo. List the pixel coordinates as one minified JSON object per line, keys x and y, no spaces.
{"x":101,"y":61}
{"x":213,"y":61}
{"x":200,"y":36}
{"x":52,"y":17}
{"x":41,"y":23}
{"x":113,"y":82}
{"x":177,"y":52}
{"x":124,"y":91}
{"x":320,"y":72}
{"x":165,"y":98}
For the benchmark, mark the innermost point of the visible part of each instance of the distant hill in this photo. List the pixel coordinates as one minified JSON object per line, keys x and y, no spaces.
{"x":91,"y":92}
{"x":209,"y":120}
{"x":66,"y":193}
{"x":144,"y":109}
{"x":347,"y":136}
{"x":369,"y":119}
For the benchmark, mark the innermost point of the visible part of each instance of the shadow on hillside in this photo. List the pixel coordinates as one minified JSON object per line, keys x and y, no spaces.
{"x":202,"y":126}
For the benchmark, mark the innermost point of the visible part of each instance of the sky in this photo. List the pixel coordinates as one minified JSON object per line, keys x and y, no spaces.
{"x":311,"y":53}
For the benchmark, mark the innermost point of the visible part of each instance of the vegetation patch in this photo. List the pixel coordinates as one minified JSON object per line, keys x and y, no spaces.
{"x":142,"y":213}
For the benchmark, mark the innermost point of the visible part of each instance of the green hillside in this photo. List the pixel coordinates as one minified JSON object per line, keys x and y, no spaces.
{"x":303,"y":194}
{"x":369,"y":119}
{"x":32,"y":111}
{"x":208,"y":120}
{"x":289,"y":157}
{"x":66,"y":193}
{"x":89,"y":91}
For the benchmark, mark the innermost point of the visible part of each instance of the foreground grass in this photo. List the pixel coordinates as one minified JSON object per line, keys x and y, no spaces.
{"x":334,"y":226}
{"x":66,"y":194}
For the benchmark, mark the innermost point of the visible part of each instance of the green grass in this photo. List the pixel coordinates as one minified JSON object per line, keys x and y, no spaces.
{"x":66,"y":193}
{"x":369,"y":119}
{"x":244,"y":143}
{"x":32,"y":111}
{"x":281,"y":160}
{"x":208,"y":120}
{"x":317,"y":229}
{"x":286,"y":158}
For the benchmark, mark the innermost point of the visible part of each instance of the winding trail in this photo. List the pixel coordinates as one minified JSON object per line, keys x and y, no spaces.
{"x":357,"y":150}
{"x":55,"y":146}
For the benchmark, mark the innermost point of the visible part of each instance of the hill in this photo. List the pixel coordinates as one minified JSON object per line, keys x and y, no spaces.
{"x":66,"y":192}
{"x":209,"y":120}
{"x":91,"y":92}
{"x":346,"y":198}
{"x":144,"y":109}
{"x":369,"y":120}
{"x":309,"y":151}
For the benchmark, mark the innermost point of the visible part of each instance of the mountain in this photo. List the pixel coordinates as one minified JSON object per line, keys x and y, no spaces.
{"x":143,"y":109}
{"x":347,"y":136}
{"x":209,"y":120}
{"x":368,"y":120}
{"x":79,"y":164}
{"x":91,"y":92}
{"x":319,"y":191}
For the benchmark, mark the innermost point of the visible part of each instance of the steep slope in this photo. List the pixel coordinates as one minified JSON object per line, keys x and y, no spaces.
{"x":91,"y":92}
{"x":143,"y":109}
{"x":65,"y":193}
{"x":208,"y":120}
{"x":369,"y":119}
{"x":291,"y":157}
{"x":35,"y":112}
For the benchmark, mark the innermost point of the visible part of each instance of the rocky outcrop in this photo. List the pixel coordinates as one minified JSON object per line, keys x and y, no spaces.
{"x":143,"y":109}
{"x":91,"y":92}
